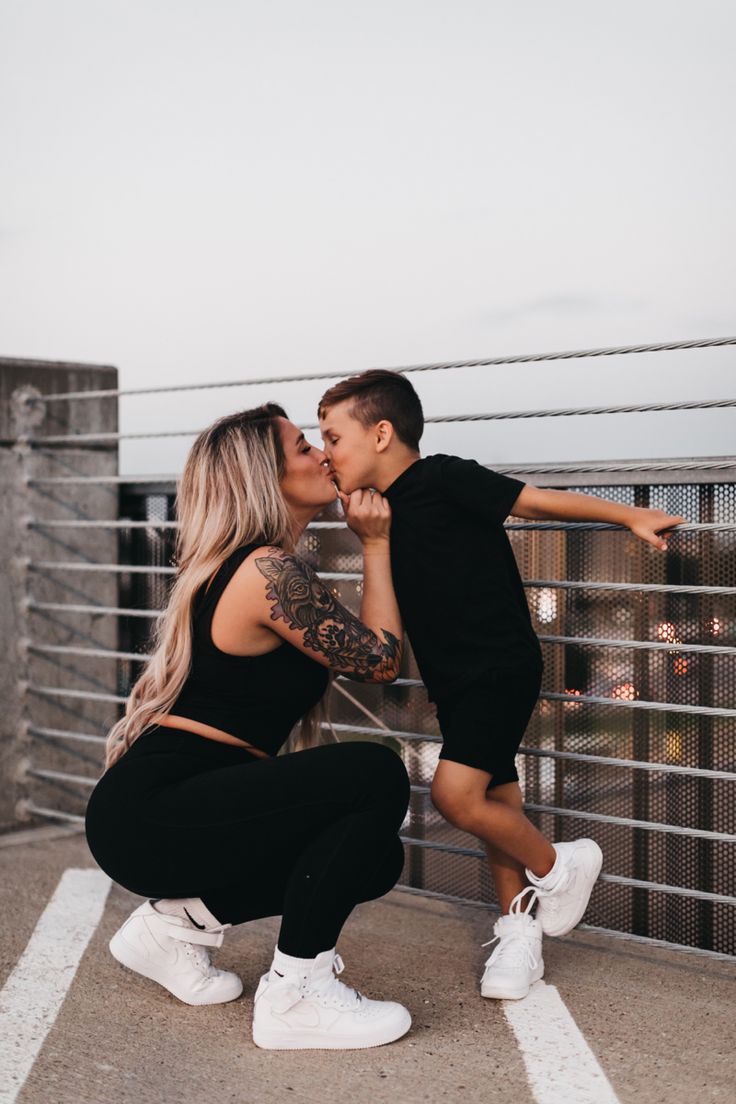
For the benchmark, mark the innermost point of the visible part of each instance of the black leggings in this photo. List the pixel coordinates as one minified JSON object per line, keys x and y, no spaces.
{"x":305,"y":836}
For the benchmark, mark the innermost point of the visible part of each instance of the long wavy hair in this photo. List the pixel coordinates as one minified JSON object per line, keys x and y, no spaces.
{"x":228,"y":495}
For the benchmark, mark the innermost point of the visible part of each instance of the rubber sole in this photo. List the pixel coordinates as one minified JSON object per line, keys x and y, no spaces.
{"x":126,"y":956}
{"x":271,"y":1040}
{"x":500,"y":992}
{"x":592,"y":873}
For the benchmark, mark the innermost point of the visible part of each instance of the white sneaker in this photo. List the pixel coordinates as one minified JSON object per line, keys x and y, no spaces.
{"x":565,"y":890}
{"x":171,"y":951}
{"x":311,"y":1009}
{"x":516,"y":963}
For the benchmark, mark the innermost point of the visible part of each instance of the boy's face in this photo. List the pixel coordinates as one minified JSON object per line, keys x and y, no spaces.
{"x":350,"y":448}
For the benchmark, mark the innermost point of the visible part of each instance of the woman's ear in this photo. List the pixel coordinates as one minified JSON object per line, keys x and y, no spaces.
{"x":384,"y":434}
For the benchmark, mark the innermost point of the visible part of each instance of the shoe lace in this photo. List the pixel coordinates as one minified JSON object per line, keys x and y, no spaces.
{"x":335,"y":991}
{"x":200,"y":957}
{"x":514,"y":946}
{"x":515,"y":908}
{"x":513,"y":949}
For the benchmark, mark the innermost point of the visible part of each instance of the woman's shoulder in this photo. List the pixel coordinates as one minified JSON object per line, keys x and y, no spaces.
{"x":240,"y":565}
{"x":255,"y":552}
{"x":270,"y":560}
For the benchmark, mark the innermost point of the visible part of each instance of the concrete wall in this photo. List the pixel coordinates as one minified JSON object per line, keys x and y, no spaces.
{"x":22,"y":667}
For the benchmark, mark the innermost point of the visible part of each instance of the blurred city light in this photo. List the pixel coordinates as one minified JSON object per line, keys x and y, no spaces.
{"x":625,"y":691}
{"x":546,"y":605}
{"x":673,"y":746}
{"x":666,"y":632}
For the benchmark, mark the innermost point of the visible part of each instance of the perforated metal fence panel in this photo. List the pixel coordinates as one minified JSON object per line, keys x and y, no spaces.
{"x":638,"y":771}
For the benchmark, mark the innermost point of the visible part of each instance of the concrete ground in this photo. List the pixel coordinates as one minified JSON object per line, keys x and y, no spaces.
{"x":660,"y":1023}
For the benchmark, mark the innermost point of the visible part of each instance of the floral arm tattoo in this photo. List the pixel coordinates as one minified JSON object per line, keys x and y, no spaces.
{"x":301,"y":600}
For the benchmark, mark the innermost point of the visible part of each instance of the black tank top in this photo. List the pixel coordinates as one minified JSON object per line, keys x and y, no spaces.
{"x":259,"y":698}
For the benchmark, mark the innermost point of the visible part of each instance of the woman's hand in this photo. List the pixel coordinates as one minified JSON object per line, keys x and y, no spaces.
{"x":368,"y":514}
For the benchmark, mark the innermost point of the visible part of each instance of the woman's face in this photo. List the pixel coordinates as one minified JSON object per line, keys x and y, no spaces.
{"x":307,"y":483}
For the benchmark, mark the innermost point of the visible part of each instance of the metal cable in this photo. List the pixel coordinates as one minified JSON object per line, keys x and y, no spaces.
{"x":409,"y":737}
{"x":589,"y":699}
{"x":606,"y":818}
{"x":690,"y":526}
{"x":61,"y":776}
{"x":148,"y":569}
{"x":81,"y":695}
{"x":171,"y":478}
{"x":533,"y":525}
{"x":547,"y":584}
{"x":546,"y":695}
{"x":65,"y":734}
{"x":555,"y":412}
{"x":549,"y":753}
{"x":68,"y":607}
{"x":566,"y":412}
{"x":644,"y":588}
{"x":486,"y":362}
{"x":715,"y":463}
{"x":616,"y":879}
{"x":26,"y":807}
{"x":645,"y":645}
{"x":41,"y":523}
{"x":614,"y":933}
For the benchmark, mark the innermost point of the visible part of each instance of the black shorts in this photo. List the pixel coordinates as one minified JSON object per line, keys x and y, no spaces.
{"x":483,"y":724}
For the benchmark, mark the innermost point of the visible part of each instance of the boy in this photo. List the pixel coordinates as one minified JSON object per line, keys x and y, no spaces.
{"x":466,"y":615}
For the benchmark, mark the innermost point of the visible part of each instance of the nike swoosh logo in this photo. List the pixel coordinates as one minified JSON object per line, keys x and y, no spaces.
{"x":301,"y":1016}
{"x":200,"y":926}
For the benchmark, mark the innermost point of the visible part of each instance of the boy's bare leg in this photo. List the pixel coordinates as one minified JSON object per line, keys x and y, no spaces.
{"x":459,"y":794}
{"x":508,"y":875}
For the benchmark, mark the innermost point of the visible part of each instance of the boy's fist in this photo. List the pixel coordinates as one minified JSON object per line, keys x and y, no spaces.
{"x":367,"y":513}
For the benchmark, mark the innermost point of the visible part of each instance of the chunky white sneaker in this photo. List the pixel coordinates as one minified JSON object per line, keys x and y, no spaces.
{"x":171,"y":951}
{"x":516,"y":963}
{"x":565,"y":890}
{"x":310,"y":1009}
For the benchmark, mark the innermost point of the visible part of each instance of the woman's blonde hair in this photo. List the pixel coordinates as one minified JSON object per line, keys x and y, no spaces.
{"x":228,"y":495}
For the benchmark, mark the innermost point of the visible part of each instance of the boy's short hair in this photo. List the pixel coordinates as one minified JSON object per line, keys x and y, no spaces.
{"x":378,"y":394}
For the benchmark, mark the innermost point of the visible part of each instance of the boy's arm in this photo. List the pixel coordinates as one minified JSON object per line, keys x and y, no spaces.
{"x":541,"y":504}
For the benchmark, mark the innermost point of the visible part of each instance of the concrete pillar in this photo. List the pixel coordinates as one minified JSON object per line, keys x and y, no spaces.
{"x":23,"y":385}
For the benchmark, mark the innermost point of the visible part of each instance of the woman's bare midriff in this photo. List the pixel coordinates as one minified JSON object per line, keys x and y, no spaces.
{"x":170,"y":720}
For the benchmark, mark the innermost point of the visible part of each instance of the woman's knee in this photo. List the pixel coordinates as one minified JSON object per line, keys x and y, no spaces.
{"x":381,"y":773}
{"x":386,"y":875}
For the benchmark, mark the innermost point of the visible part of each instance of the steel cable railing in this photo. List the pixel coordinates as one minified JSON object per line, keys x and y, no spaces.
{"x":29,"y":446}
{"x":678,"y":464}
{"x":485,"y":362}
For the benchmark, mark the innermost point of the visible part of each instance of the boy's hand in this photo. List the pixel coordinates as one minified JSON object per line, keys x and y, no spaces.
{"x":647,"y":523}
{"x":368,"y":514}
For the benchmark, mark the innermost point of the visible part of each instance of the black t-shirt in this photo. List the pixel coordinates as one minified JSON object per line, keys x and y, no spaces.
{"x":458,"y":586}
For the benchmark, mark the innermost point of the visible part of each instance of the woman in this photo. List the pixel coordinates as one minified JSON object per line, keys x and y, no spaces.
{"x":195,"y":811}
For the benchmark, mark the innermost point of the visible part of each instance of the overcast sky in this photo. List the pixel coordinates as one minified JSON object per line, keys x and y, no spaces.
{"x":220,"y":189}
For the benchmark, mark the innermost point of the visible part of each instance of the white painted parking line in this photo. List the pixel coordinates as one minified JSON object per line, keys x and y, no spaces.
{"x":560,"y":1065}
{"x":33,"y":994}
